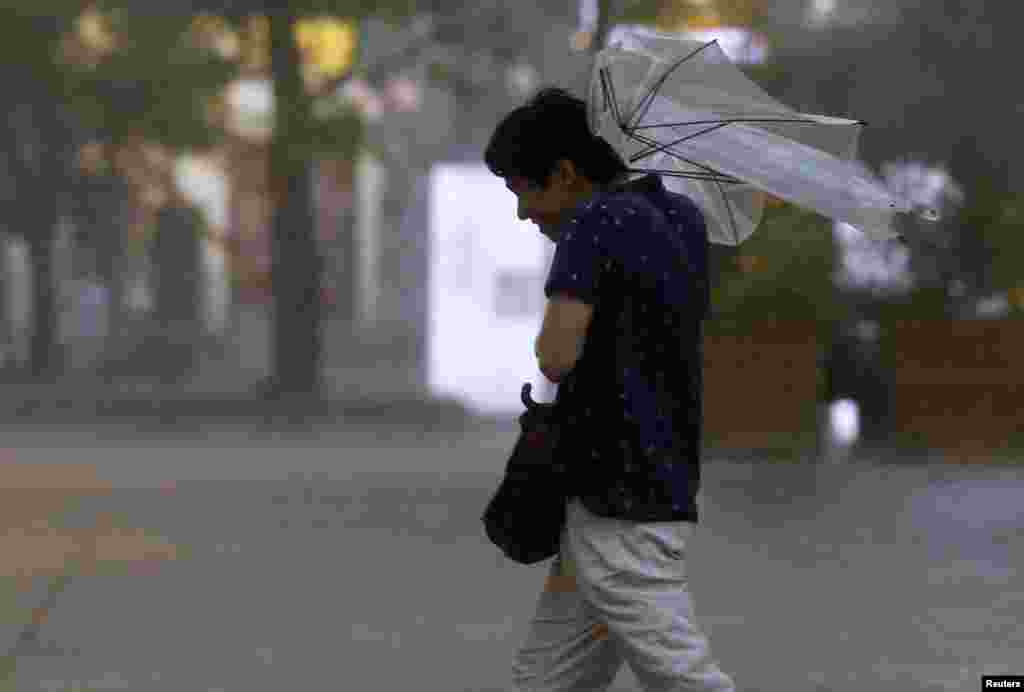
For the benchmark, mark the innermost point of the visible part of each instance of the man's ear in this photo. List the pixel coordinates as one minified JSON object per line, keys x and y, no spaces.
{"x":572,"y":176}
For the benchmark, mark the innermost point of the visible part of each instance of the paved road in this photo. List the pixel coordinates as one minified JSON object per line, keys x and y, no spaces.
{"x":355,"y":561}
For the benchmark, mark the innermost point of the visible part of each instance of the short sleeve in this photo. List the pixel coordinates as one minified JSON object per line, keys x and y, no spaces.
{"x":579,"y":258}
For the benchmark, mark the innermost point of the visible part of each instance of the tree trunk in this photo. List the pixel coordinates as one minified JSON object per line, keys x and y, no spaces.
{"x":296,"y":266}
{"x":110,"y":200}
{"x":43,"y":357}
{"x":177,"y":292}
{"x":37,"y":188}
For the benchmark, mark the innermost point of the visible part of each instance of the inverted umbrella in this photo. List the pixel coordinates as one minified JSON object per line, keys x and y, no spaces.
{"x":681,"y":109}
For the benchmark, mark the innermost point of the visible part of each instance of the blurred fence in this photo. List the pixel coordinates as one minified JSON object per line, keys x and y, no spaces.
{"x":762,"y":386}
{"x":958,"y":384}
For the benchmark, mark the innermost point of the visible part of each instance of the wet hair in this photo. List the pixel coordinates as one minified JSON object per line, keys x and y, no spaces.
{"x":552,"y":125}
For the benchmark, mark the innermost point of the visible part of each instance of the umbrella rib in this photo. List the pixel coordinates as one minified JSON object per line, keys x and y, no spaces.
{"x":707,"y":170}
{"x":729,"y":121}
{"x":732,"y":219}
{"x":646,"y":102}
{"x":692,"y":175}
{"x":709,"y":177}
{"x":711,"y":173}
{"x":694,"y":135}
{"x":665,"y":147}
{"x":608,"y":87}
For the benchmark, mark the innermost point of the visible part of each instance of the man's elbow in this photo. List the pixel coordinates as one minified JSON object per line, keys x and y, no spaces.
{"x":556,"y":363}
{"x":555,"y":373}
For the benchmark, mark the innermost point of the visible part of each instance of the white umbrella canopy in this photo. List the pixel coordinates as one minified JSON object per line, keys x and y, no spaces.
{"x":681,"y":109}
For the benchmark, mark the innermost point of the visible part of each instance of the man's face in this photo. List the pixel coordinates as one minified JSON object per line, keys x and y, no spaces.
{"x":548,"y":206}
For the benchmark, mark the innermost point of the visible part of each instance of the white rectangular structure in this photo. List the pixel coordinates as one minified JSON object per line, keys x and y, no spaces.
{"x":486,"y":292}
{"x":370,"y":180}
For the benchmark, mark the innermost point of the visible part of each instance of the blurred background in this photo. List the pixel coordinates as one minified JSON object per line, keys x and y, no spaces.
{"x":259,"y":295}
{"x":177,"y":245}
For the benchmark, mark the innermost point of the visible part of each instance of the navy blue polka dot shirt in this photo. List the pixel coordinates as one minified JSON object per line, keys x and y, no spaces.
{"x":632,"y":405}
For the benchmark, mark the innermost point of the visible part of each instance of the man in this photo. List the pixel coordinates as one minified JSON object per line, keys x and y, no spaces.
{"x":622,"y":336}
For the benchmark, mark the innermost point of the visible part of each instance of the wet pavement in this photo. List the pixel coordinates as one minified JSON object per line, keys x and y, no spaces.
{"x":354,"y":559}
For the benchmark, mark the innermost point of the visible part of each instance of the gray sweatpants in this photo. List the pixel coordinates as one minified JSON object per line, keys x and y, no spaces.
{"x":618,"y":592}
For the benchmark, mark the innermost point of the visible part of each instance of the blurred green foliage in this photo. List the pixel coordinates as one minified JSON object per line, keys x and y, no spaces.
{"x":927,"y":302}
{"x":337,"y":130}
{"x":773,"y":77}
{"x":29,"y":28}
{"x":781,"y":273}
{"x":157,"y":84}
{"x":996,"y":215}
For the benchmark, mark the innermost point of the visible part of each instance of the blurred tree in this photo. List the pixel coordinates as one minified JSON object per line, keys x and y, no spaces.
{"x":299,"y":135}
{"x":177,"y":269}
{"x":917,"y":74}
{"x":992,"y":240}
{"x":147,"y":87}
{"x":82,"y":74}
{"x":150,"y":78}
{"x":458,"y":40}
{"x":468,"y":47}
{"x":38,"y":147}
{"x":100,"y":210}
{"x":968,"y":121}
{"x":782,"y":272}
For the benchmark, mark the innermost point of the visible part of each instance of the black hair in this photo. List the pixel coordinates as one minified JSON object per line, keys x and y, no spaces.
{"x":552,"y":125}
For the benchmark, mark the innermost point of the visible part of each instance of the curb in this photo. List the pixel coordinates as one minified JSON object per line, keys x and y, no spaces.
{"x":56,"y":406}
